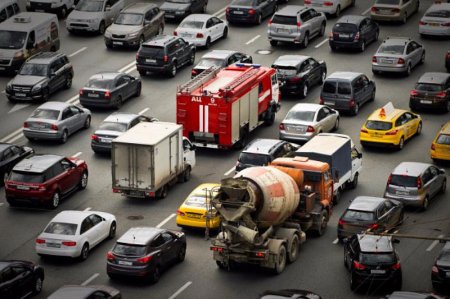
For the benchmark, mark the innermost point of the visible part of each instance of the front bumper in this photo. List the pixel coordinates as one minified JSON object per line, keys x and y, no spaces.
{"x":126,"y":42}
{"x":81,"y":26}
{"x":27,"y":96}
{"x":154,"y":68}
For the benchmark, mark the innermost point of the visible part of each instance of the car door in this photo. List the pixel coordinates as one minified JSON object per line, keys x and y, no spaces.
{"x":367,"y":88}
{"x":150,"y":24}
{"x":358,"y":90}
{"x":372,"y":29}
{"x":55,"y":79}
{"x":78,"y":118}
{"x":218,"y":27}
{"x":8,"y":284}
{"x":316,"y":21}
{"x":409,"y":124}
{"x":182,"y":51}
{"x":330,"y":118}
{"x":6,"y":160}
{"x":158,"y":244}
{"x":418,"y":50}
{"x":100,"y":227}
{"x":170,"y":246}
{"x":69,"y":177}
{"x":121,"y":88}
{"x":24,"y":279}
{"x":436,"y":180}
{"x":87,"y":234}
{"x":316,"y":70}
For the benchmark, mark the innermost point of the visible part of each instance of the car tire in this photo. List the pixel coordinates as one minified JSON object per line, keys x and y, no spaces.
{"x":273,"y":43}
{"x":425,"y":203}
{"x":333,"y":48}
{"x":160,"y":29}
{"x":109,"y":46}
{"x":444,"y":186}
{"x":156,"y":274}
{"x":192,"y":58}
{"x":112,"y":230}
{"x":305,"y":42}
{"x":83,"y":180}
{"x":259,"y":19}
{"x":336,"y":125}
{"x":362,"y":48}
{"x":322,"y":29}
{"x":323,"y":223}
{"x":64,"y":137}
{"x":304,"y":92}
{"x":372,"y":97}
{"x":422,"y":58}
{"x":181,"y":254}
{"x":353,"y":284}
{"x":401,"y":144}
{"x":173,"y":71}
{"x":162,"y":192}
{"x":447,"y":106}
{"x":294,"y":249}
{"x":118,"y":103}
{"x":280,"y":263}
{"x":208,"y":43}
{"x":337,"y":196}
{"x":323,"y":76}
{"x":68,"y":84}
{"x":54,"y":202}
{"x":84,"y":252}
{"x":142,"y":73}
{"x":225,"y":33}
{"x":37,"y":286}
{"x":187,"y":174}
{"x":419,"y":129}
{"x":141,"y":41}
{"x":337,"y":14}
{"x":138,"y":90}
{"x":377,"y":35}
{"x":63,"y":12}
{"x":87,"y":123}
{"x":405,"y":18}
{"x":101,"y":28}
{"x":12,"y":202}
{"x":408,"y":70}
{"x":45,"y":95}
{"x":355,"y":109}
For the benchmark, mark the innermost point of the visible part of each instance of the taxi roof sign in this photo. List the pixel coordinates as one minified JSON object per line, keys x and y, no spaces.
{"x":387,"y":109}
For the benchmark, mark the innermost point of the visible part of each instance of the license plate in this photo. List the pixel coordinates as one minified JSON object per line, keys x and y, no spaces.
{"x":194,"y":216}
{"x":170,"y":16}
{"x":238,"y":12}
{"x":125,"y":263}
{"x":434,"y":24}
{"x":19,"y":94}
{"x":387,"y":61}
{"x":106,"y":140}
{"x":150,"y":60}
{"x":118,"y":43}
{"x":329,"y":103}
{"x":93,"y":95}
{"x":426,"y":102}
{"x":385,"y":11}
{"x":186,"y":35}
{"x":378,"y":135}
{"x":344,"y":35}
{"x":378,"y":271}
{"x":23,"y":187}
{"x":282,"y":30}
{"x":54,"y":245}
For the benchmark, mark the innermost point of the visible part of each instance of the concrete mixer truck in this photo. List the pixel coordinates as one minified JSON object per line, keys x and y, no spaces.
{"x":265,"y":212}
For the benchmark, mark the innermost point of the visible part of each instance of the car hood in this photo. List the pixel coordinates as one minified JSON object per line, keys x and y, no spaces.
{"x":108,"y":133}
{"x":8,"y":53}
{"x":27,"y":80}
{"x":85,"y":15}
{"x":174,"y":6}
{"x":123,"y":29}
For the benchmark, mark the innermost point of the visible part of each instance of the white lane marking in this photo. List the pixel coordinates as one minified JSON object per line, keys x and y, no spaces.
{"x":87,"y":209}
{"x":4,"y":91}
{"x":73,"y":99}
{"x":230,"y":171}
{"x":219,"y":12}
{"x":221,"y":15}
{"x":253,"y":39}
{"x":78,"y":52}
{"x":435,"y":242}
{"x":90,"y":279}
{"x":180,"y":290}
{"x":366,"y":11}
{"x":143,"y":111}
{"x":130,"y":70}
{"x":16,"y":138}
{"x":18,"y":131}
{"x":77,"y":154}
{"x":165,"y":220}
{"x":396,"y":232}
{"x":336,"y":241}
{"x":18,"y":107}
{"x":321,"y":43}
{"x":1,"y":204}
{"x":127,"y":66}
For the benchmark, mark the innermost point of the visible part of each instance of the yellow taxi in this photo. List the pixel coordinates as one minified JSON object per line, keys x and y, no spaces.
{"x":440,"y":148}
{"x":196,"y":210}
{"x":389,"y":126}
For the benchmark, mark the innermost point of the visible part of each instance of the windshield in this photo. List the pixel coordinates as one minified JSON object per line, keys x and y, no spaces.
{"x":443,"y":139}
{"x":301,"y":115}
{"x":129,"y":19}
{"x":61,"y":228}
{"x":129,"y":250}
{"x":26,"y":177}
{"x":428,"y":87}
{"x":242,"y":2}
{"x":358,"y":215}
{"x":439,"y":14}
{"x":90,"y":5}
{"x":345,"y":27}
{"x":378,"y":125}
{"x":403,"y":181}
{"x":12,"y":39}
{"x":113,"y":126}
{"x":100,"y":83}
{"x":192,"y":24}
{"x":392,"y":49}
{"x":33,"y":69}
{"x":45,"y":113}
{"x":444,"y":255}
{"x":254,"y":159}
{"x":285,"y":20}
{"x":285,"y":70}
{"x":376,"y":258}
{"x":208,"y":62}
{"x":390,"y":2}
{"x":152,"y":51}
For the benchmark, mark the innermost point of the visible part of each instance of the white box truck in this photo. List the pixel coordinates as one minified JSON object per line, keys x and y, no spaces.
{"x":149,"y":158}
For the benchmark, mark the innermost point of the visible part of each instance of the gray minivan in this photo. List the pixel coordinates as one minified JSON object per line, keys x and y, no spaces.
{"x":8,"y":8}
{"x":347,"y":91}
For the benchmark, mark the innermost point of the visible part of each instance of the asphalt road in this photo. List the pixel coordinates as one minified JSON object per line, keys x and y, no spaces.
{"x":320,"y":265}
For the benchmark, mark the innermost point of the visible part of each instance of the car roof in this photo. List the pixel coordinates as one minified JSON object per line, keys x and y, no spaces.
{"x":290,"y":60}
{"x":410,"y":168}
{"x":219,"y":54}
{"x":389,"y":117}
{"x":197,"y":17}
{"x":75,"y":217}
{"x":32,"y":19}
{"x":438,"y":6}
{"x":353,"y":19}
{"x":140,"y":235}
{"x":445,"y":128}
{"x":290,"y":10}
{"x":160,"y":40}
{"x":365,"y":203}
{"x":53,"y":105}
{"x":121,"y":117}
{"x":262,"y":146}
{"x":306,"y":107}
{"x":344,"y":75}
{"x":106,"y":75}
{"x":37,"y":163}
{"x":434,"y":78}
{"x":373,"y":243}
{"x":396,"y":40}
{"x":44,"y":57}
{"x":139,"y":7}
{"x":73,"y":292}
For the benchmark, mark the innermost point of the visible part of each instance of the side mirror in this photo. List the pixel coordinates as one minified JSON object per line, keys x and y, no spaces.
{"x":359,"y":155}
{"x":441,"y":171}
{"x":108,"y":8}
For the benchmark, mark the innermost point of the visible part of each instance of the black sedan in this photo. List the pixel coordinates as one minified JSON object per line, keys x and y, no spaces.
{"x":220,"y":58}
{"x":10,"y":155}
{"x":250,"y":11}
{"x":298,"y":73}
{"x":109,"y":89}
{"x":20,"y":279}
{"x":86,"y":292}
{"x":179,"y":9}
{"x":374,"y":213}
{"x":440,"y":272}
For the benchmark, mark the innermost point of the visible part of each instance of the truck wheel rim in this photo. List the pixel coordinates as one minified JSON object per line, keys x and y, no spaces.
{"x":38,"y":285}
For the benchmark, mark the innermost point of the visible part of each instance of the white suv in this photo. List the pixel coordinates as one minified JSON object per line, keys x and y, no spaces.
{"x":61,"y":7}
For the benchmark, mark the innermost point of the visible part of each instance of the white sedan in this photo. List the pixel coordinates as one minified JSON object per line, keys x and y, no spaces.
{"x":202,"y":29}
{"x":436,"y":20}
{"x":74,"y":233}
{"x":332,"y":7}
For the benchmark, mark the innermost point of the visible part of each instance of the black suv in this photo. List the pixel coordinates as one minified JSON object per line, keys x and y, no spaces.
{"x":260,"y":152}
{"x":40,"y":76}
{"x":18,"y":279}
{"x":164,"y":54}
{"x":440,"y":272}
{"x":371,"y":259}
{"x":354,"y":32}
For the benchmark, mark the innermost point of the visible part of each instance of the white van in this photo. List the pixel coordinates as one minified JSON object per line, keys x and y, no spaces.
{"x":24,"y":35}
{"x":60,"y":7}
{"x":8,"y":8}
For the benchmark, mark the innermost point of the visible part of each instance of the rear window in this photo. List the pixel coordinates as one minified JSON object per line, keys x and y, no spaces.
{"x":376,"y":258}
{"x":378,"y":125}
{"x":329,"y":87}
{"x":199,"y":199}
{"x":254,"y":159}
{"x":285,"y":70}
{"x":152,"y":50}
{"x":113,"y":126}
{"x":428,"y":87}
{"x":192,"y":24}
{"x":358,"y":215}
{"x":285,"y":20}
{"x":403,"y":180}
{"x":45,"y":114}
{"x":100,"y":83}
{"x":390,"y":2}
{"x":444,"y":256}
{"x":344,"y":88}
{"x":129,"y":250}
{"x":26,"y":177}
{"x":345,"y":27}
{"x":61,"y":228}
{"x":443,"y":139}
{"x":209,"y":62}
{"x":243,"y":2}
{"x":301,"y":115}
{"x":392,"y":49}
{"x":439,"y":14}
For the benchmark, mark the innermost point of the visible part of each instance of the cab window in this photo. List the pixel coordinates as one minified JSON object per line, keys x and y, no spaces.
{"x":86,"y":225}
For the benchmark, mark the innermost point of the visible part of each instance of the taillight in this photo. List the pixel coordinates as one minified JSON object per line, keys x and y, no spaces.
{"x":228,"y":10}
{"x":42,"y":188}
{"x":357,"y":35}
{"x":180,"y":213}
{"x":433,"y":147}
{"x":442,"y":94}
{"x":358,"y":265}
{"x":299,"y":24}
{"x":175,"y":33}
{"x":146,"y":259}
{"x":251,"y":11}
{"x":107,"y":94}
{"x":282,"y":126}
{"x":321,"y":101}
{"x":374,"y":9}
{"x":422,"y":23}
{"x":110,"y":256}
{"x":295,"y":79}
{"x":310,"y":129}
{"x":390,"y":133}
{"x":435,"y":269}
{"x":341,"y":222}
{"x":137,"y":55}
{"x":352,"y":103}
{"x":54,"y":127}
{"x":270,"y":22}
{"x":307,"y":1}
{"x":419,"y":183}
{"x":166,"y":58}
{"x":80,"y":92}
{"x":115,"y":190}
{"x":364,"y":131}
{"x":69,"y":243}
{"x":448,"y":55}
{"x":401,"y":61}
{"x":395,"y":10}
{"x":194,"y":72}
{"x":413,"y":93}
{"x":25,"y":125}
{"x":218,"y":249}
{"x":330,"y":36}
{"x":445,"y":24}
{"x":94,"y":137}
{"x":374,"y":59}
{"x":374,"y":226}
{"x":328,"y":3}
{"x":389,"y":179}
{"x":40,"y":241}
{"x":199,"y":35}
{"x":260,"y":254}
{"x":396,"y":266}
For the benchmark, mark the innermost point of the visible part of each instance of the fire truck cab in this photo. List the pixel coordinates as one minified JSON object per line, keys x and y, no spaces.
{"x":220,"y":107}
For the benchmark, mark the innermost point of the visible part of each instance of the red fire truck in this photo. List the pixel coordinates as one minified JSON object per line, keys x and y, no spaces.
{"x":220,"y":107}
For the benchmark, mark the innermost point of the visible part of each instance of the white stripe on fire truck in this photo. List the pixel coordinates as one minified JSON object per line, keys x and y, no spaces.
{"x":206,"y":118}
{"x":200,"y":115}
{"x":265,"y":95}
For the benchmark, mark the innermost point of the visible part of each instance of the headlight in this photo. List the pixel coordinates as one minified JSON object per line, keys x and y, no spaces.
{"x":9,"y":86}
{"x":134,"y":34}
{"x":90,"y":20}
{"x":36,"y":88}
{"x":108,"y":34}
{"x":179,"y":12}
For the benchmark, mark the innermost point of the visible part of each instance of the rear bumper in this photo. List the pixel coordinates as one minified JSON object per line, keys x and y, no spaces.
{"x":392,"y":17}
{"x":427,"y":104}
{"x":232,"y":18}
{"x":197,"y":223}
{"x":122,"y":270}
{"x":154,"y":68}
{"x":440,"y":155}
{"x":292,"y":38}
{"x":295,"y":137}
{"x":101,"y":147}
{"x":66,"y":251}
{"x":436,"y":279}
{"x":398,"y":68}
{"x":412,"y":201}
{"x":55,"y":135}
{"x":342,"y":44}
{"x":390,"y":277}
{"x":87,"y":102}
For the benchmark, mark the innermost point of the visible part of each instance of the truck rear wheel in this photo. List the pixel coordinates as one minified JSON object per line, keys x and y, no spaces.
{"x":323,"y":222}
{"x":293,"y":250}
{"x":162,"y":193}
{"x":280,"y":262}
{"x":337,"y":196}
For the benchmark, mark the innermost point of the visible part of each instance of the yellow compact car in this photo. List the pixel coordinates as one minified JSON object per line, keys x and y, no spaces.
{"x":440,"y":148}
{"x":388,"y":126}
{"x":194,"y":211}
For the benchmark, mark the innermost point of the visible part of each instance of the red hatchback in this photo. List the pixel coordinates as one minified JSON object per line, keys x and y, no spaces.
{"x":45,"y":179}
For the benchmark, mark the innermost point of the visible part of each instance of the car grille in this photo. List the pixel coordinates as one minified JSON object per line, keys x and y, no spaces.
{"x":5,"y":61}
{"x":22,"y":88}
{"x":78,"y":25}
{"x":118,"y":35}
{"x":39,"y":5}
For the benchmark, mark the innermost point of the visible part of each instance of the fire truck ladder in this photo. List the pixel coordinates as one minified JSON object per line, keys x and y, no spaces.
{"x":245,"y":76}
{"x":199,"y":80}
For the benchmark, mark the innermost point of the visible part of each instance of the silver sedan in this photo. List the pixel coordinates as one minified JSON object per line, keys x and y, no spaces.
{"x":398,"y":55}
{"x":304,"y":121}
{"x":56,"y":121}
